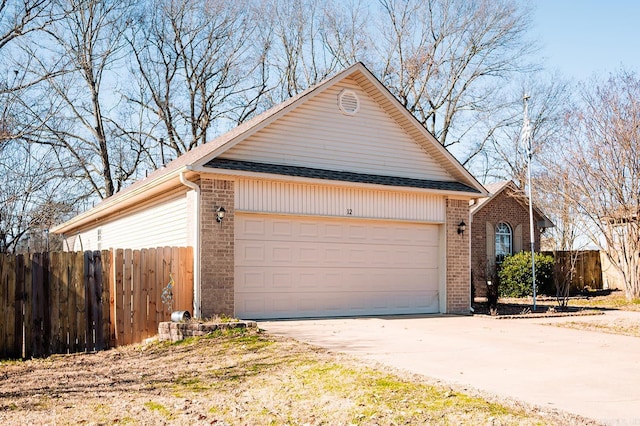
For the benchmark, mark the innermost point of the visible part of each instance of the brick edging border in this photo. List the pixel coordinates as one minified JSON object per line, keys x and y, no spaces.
{"x":176,"y":331}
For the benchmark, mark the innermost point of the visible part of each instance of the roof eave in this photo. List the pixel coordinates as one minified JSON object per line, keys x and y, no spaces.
{"x":317,"y":181}
{"x":118,"y":202}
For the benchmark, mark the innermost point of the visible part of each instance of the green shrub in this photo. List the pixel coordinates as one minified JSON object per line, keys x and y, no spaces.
{"x":515,"y":274}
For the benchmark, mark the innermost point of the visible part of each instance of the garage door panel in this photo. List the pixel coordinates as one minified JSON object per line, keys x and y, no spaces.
{"x":305,"y":267}
{"x":255,"y":253}
{"x":286,"y":229}
{"x":318,"y":304}
{"x":251,"y":227}
{"x":301,"y":279}
{"x":281,"y":229}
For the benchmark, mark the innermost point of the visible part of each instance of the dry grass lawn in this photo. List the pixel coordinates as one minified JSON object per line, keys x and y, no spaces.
{"x":615,"y":300}
{"x":240,"y":377}
{"x":620,"y":326}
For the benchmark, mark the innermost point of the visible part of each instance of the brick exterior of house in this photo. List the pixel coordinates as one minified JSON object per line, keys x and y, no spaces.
{"x":217,"y":248}
{"x":458,"y":277}
{"x":504,"y":207}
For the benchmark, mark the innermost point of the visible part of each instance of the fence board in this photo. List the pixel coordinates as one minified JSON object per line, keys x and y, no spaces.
{"x":54,"y":303}
{"x":4,"y":305}
{"x":27,"y":307}
{"x":87,"y":269}
{"x":119,"y":296}
{"x":105,"y":282}
{"x":64,"y":271}
{"x":188,"y":281}
{"x":161,"y":282}
{"x":80,"y":307}
{"x":37,"y":305}
{"x":20,"y":307}
{"x":113,"y":340}
{"x":167,"y":280}
{"x":183,"y":278}
{"x":175,"y":274}
{"x":152,"y":288}
{"x":127,"y":293}
{"x":94,"y":324}
{"x":8,"y":302}
{"x":91,"y":302}
{"x":143,"y":325}
{"x":139,"y":301}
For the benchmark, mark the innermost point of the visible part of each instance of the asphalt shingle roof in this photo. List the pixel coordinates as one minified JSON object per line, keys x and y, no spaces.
{"x":247,"y":166}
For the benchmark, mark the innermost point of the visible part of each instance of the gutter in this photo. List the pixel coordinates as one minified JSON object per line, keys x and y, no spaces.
{"x":196,"y":244}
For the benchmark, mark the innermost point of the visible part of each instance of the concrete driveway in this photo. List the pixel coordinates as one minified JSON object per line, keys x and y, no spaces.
{"x":596,"y":375}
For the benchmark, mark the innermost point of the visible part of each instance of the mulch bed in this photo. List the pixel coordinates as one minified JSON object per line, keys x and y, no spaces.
{"x":525,"y":310}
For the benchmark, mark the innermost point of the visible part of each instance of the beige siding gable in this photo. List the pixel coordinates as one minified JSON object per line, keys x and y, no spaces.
{"x":318,"y":134}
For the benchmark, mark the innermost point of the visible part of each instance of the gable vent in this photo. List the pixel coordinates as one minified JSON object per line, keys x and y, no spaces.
{"x":348,"y":102}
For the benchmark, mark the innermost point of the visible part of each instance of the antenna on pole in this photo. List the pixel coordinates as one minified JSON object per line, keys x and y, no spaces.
{"x":528,"y":140}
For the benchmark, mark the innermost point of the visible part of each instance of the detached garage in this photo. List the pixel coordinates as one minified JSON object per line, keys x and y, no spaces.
{"x":334,"y":203}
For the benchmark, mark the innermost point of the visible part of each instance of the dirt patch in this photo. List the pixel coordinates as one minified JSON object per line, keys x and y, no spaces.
{"x":237,"y":377}
{"x":620,"y":326}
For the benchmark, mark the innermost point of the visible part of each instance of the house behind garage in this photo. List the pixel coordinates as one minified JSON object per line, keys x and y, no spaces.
{"x":337,"y":202}
{"x":500,"y":227}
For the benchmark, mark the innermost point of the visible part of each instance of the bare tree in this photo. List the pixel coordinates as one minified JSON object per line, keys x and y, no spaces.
{"x":550,"y":100}
{"x":29,"y":175}
{"x":78,"y":101}
{"x":18,"y":18}
{"x":447,"y":60}
{"x":34,"y":195}
{"x":194,"y":63}
{"x":600,"y":166}
{"x":309,"y":40}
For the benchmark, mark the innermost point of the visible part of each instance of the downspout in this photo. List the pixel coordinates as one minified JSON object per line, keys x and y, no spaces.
{"x":196,"y":244}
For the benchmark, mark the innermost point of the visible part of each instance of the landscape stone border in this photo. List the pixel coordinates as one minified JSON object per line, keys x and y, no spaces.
{"x":548,"y":315}
{"x":176,"y":331}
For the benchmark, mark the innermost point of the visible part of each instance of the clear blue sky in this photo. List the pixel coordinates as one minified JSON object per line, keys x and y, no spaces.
{"x":581,"y":38}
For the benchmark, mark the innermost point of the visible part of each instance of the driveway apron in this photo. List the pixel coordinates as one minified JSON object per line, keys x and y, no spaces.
{"x":593,"y":374}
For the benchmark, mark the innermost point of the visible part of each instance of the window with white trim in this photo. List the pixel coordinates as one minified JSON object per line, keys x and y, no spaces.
{"x":504,"y":241}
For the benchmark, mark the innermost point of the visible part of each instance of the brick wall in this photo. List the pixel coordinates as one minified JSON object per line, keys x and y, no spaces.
{"x":503,"y":208}
{"x":458,"y":277}
{"x":217,"y":248}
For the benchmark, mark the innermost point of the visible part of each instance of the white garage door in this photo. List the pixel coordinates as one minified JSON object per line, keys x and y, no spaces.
{"x":307,"y":267}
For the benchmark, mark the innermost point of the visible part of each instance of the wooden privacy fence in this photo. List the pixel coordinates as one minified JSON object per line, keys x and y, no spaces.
{"x":142,"y":278}
{"x":74,"y":302}
{"x":587,"y":268}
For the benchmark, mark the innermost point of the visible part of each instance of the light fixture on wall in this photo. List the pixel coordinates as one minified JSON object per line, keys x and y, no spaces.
{"x":462,"y":227}
{"x":220,"y":211}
